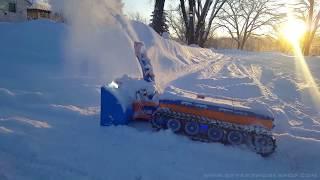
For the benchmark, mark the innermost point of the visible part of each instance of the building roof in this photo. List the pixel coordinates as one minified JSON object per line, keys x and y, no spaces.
{"x":28,"y":1}
{"x":40,"y":6}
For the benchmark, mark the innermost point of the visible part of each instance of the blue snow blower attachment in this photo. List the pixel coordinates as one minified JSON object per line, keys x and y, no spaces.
{"x":117,"y":98}
{"x":113,"y":108}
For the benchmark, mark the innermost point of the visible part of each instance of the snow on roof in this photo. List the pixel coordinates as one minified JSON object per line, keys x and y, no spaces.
{"x":41,"y":5}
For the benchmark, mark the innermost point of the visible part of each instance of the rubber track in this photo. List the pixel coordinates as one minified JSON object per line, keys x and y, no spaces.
{"x":248,"y":131}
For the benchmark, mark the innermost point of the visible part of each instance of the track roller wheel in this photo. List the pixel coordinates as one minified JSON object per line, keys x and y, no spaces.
{"x":235,"y":137}
{"x":174,"y":125}
{"x":192,"y":128}
{"x":215,"y":134}
{"x":264,"y":145}
{"x":158,"y":122}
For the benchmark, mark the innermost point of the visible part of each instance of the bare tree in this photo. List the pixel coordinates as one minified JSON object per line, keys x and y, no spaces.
{"x":137,"y":17}
{"x":241,"y":18}
{"x":198,"y":21}
{"x":178,"y":29}
{"x":309,"y":12}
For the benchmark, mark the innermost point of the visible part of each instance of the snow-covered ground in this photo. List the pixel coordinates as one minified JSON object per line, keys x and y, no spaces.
{"x":49,"y":108}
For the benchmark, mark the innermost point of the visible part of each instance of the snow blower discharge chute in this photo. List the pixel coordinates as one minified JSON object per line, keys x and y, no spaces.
{"x":199,"y":117}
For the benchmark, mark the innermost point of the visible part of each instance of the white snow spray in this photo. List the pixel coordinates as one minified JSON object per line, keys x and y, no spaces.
{"x":100,"y":41}
{"x":99,"y":45}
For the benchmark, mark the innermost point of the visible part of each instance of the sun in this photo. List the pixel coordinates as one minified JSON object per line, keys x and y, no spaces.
{"x":293,"y":30}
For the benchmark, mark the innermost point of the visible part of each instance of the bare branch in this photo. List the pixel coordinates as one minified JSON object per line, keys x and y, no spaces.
{"x":242,"y":17}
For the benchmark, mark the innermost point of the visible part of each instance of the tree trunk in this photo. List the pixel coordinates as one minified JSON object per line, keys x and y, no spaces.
{"x":196,"y":31}
{"x":185,"y":17}
{"x":242,"y":45}
{"x":191,"y":35}
{"x":243,"y":41}
{"x":238,"y":43}
{"x":307,"y":47}
{"x":200,"y":28}
{"x":309,"y":38}
{"x":202,"y":40}
{"x":306,"y":51}
{"x":184,"y":14}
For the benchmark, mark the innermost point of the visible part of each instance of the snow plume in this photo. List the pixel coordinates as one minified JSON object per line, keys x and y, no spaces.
{"x":100,"y":40}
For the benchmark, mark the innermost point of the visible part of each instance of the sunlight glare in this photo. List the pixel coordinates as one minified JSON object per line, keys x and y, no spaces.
{"x":293,"y":30}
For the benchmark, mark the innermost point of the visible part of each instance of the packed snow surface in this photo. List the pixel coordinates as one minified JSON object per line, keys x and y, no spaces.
{"x":49,"y":117}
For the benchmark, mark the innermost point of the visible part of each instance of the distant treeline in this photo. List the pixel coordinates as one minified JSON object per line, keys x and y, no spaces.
{"x":260,"y":44}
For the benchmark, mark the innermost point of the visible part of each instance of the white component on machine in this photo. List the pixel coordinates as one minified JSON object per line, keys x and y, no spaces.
{"x":144,"y":61}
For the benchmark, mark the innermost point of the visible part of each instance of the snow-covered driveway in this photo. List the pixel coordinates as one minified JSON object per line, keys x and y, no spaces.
{"x":49,"y":116}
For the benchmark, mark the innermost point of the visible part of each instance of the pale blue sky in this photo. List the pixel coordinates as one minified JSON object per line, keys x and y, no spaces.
{"x":144,"y":7}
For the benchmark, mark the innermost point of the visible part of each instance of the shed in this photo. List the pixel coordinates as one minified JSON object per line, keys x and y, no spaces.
{"x":38,"y":11}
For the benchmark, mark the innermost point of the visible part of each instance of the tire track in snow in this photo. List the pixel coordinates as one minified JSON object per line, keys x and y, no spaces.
{"x":189,"y":69}
{"x":283,"y":110}
{"x":255,"y":72}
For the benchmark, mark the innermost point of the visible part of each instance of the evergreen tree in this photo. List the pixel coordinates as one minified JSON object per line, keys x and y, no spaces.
{"x":159,"y":20}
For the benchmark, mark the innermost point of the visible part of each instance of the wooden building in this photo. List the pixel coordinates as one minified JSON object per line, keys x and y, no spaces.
{"x":38,"y":11}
